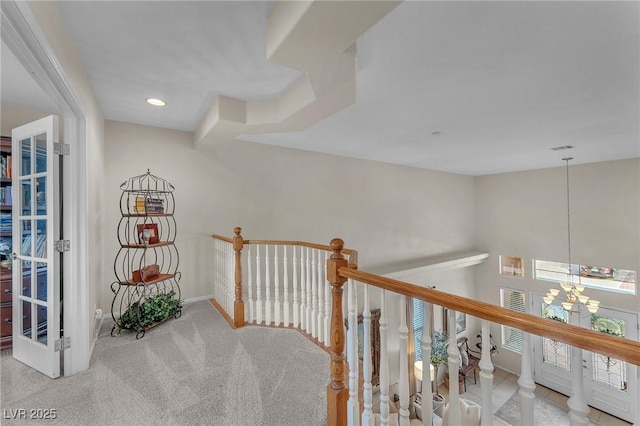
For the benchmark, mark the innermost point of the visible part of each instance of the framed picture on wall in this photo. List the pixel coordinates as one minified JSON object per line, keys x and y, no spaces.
{"x":461,"y":320}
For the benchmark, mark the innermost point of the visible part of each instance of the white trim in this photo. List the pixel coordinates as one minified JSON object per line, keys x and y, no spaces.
{"x":198,"y":299}
{"x":439,"y":264}
{"x":95,"y":335}
{"x":22,"y":33}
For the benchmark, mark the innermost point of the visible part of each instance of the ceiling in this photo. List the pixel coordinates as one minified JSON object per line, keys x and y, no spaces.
{"x":466,"y":87}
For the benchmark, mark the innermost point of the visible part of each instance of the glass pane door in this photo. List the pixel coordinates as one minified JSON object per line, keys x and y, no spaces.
{"x":611,"y":384}
{"x":36,"y":303}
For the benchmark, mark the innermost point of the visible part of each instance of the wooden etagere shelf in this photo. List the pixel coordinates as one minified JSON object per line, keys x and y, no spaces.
{"x":146,"y":290}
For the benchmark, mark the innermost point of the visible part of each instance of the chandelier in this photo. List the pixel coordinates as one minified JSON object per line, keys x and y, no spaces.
{"x":573,"y":292}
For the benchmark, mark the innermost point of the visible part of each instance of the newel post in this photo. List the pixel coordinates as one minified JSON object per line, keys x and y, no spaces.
{"x":238,"y":304}
{"x":337,"y":392}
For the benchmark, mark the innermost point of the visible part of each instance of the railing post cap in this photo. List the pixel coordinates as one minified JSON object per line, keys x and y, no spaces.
{"x":336,"y":246}
{"x":237,"y":230}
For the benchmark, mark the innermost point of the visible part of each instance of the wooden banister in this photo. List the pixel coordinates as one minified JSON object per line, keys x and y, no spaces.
{"x":619,"y":348}
{"x":337,"y":392}
{"x":339,"y":270}
{"x":238,"y":303}
{"x":222,"y":238}
{"x":349,"y":252}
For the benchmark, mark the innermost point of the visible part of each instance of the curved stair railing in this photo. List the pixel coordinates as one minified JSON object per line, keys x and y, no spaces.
{"x":302,"y":285}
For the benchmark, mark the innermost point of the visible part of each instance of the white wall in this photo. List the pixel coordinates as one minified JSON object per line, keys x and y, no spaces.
{"x":89,"y":173}
{"x":388,"y":213}
{"x":525,"y":215}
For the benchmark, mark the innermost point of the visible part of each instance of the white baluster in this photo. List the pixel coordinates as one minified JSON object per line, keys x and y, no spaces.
{"x":296,"y":307}
{"x":454,"y":415}
{"x":309,"y":292}
{"x":258,"y":287}
{"x":384,"y":363}
{"x":578,"y":408}
{"x":527,"y":385}
{"x":230,"y":281}
{"x":303,"y":292}
{"x":403,"y":337}
{"x":267,"y":287}
{"x":327,"y":304}
{"x":425,"y":344}
{"x":285,"y":268}
{"x":486,"y":375}
{"x":250,"y":286}
{"x":368,"y":418}
{"x":314,"y":295}
{"x":320,"y":284}
{"x":352,"y":356}
{"x":276,"y":284}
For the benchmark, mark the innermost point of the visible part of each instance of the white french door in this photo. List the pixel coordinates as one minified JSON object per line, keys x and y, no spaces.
{"x":610,"y":385}
{"x":36,"y":277}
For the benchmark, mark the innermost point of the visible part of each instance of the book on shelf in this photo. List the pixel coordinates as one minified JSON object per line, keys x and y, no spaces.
{"x":6,"y":196}
{"x":5,"y":166}
{"x":147,"y":205}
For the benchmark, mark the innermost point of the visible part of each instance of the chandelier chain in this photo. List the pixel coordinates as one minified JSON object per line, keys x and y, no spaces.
{"x":568,"y":215}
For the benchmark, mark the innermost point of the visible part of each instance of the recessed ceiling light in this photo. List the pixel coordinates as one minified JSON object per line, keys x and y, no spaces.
{"x":156,"y":102}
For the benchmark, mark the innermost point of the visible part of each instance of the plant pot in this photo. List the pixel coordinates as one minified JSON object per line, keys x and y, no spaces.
{"x":438,"y":404}
{"x":460,"y":382}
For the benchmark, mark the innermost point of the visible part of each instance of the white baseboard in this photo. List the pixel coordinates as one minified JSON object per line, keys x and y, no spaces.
{"x":96,"y":334}
{"x":185,"y":301}
{"x":198,"y":299}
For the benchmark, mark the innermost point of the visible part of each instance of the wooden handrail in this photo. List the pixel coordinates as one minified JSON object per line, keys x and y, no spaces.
{"x":353,"y":254}
{"x":220,"y":237}
{"x":619,"y":348}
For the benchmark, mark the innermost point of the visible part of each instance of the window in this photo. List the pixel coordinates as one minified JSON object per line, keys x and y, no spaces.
{"x":603,"y":278}
{"x":512,"y":337}
{"x":513,"y":266}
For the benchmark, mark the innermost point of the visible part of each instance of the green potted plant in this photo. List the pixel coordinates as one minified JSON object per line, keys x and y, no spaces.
{"x":439,"y":356}
{"x":155,"y":309}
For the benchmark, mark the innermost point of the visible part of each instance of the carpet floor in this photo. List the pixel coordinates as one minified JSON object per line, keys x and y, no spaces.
{"x":194,"y":370}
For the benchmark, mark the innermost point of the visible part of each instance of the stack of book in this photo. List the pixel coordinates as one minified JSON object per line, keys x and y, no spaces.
{"x":154,"y":206}
{"x":146,"y":205}
{"x":5,"y":167}
{"x":5,"y":196}
{"x":5,"y":223}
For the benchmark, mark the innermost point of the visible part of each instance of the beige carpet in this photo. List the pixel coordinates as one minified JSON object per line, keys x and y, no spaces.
{"x":194,"y":370}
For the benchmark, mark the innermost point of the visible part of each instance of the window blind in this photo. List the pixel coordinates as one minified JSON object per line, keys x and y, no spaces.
{"x":514,"y":300}
{"x":418,"y":322}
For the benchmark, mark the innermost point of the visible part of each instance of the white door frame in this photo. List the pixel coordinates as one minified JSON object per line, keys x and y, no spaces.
{"x":23,"y":35}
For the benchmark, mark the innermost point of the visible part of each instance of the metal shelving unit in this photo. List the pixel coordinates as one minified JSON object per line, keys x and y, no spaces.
{"x":146,"y":266}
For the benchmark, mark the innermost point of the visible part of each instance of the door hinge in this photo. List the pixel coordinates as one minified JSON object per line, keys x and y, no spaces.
{"x":61,"y":148}
{"x":64,"y":343}
{"x":62,"y":245}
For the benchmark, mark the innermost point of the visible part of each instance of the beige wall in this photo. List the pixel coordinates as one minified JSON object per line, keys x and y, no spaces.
{"x":525,"y":215}
{"x":14,"y":116}
{"x":388,"y":213}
